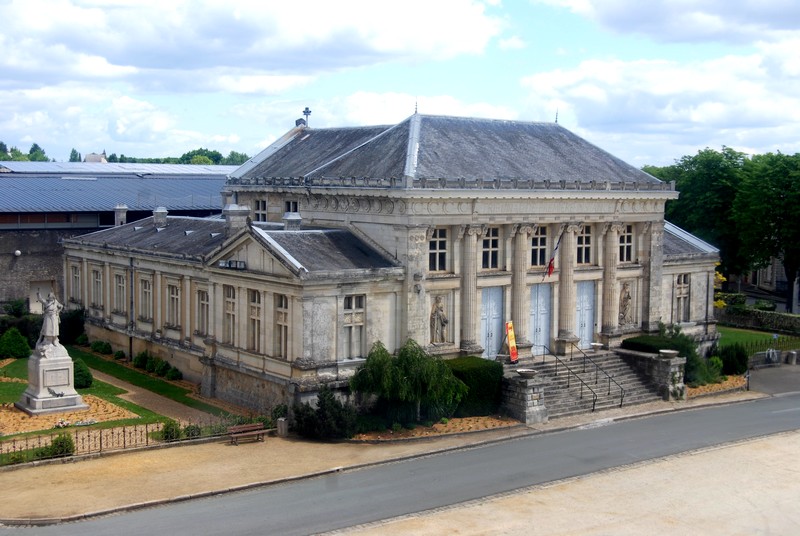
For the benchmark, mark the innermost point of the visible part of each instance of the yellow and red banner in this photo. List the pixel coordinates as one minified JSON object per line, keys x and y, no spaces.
{"x":512,"y":342}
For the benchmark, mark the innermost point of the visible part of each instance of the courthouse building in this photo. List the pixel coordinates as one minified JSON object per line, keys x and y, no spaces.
{"x":437,"y":229}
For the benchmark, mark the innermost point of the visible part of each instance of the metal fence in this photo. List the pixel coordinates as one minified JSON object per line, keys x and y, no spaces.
{"x":92,"y":440}
{"x":781,"y":343}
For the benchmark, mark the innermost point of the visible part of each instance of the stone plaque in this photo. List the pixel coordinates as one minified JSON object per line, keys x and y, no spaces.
{"x":56,"y":377}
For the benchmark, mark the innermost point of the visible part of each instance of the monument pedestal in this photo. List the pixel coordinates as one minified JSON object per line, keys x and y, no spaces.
{"x":51,"y":382}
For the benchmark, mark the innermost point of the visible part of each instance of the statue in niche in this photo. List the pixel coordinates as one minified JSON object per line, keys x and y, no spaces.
{"x":51,"y":311}
{"x":438,"y":321}
{"x":625,"y":305}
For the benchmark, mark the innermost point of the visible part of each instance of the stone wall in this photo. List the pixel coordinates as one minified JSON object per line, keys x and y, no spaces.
{"x":665,"y":373}
{"x":523,"y":399}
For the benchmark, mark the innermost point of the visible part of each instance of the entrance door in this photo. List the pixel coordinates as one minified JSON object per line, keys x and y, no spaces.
{"x":584,"y":314}
{"x":539,"y":325}
{"x":492,"y":332}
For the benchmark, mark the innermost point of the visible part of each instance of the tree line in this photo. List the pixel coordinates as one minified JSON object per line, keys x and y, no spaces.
{"x":744,"y":205}
{"x":198,"y":156}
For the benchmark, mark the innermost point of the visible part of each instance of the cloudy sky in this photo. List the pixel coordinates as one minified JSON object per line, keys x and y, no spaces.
{"x":647,"y":81}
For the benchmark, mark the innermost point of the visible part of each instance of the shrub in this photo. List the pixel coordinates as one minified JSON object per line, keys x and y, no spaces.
{"x":279,"y":411}
{"x":72,"y":323}
{"x":140,"y":360}
{"x":16,"y":308}
{"x":714,"y":369}
{"x":82,"y":340}
{"x":162,"y":368}
{"x":171,"y":431}
{"x":152,"y":363}
{"x":62,"y":445}
{"x":174,"y":374}
{"x":330,"y":420}
{"x":764,"y":305}
{"x":483,"y":379}
{"x":119,"y":355}
{"x":101,"y":347}
{"x":83,"y":376}
{"x":734,"y":359}
{"x":13,"y":344}
{"x":191,"y":431}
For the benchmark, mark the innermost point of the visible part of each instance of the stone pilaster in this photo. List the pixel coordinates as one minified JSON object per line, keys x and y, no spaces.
{"x":520,"y":295}
{"x":610,"y":283}
{"x":469,"y":289}
{"x":653,"y":273}
{"x":566,"y":290}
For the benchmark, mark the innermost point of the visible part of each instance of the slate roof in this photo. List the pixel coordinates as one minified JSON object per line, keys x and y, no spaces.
{"x":428,"y":148}
{"x":679,"y":244}
{"x":97,"y":187}
{"x":183,"y":235}
{"x":307,"y":251}
{"x":325,"y":250}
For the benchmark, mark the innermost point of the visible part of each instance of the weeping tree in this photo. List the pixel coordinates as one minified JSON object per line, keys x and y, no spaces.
{"x":412,"y":377}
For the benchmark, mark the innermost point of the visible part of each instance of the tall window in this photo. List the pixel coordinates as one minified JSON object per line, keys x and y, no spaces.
{"x":254,"y":321}
{"x":290,"y":206}
{"x":119,"y":293}
{"x":354,"y":325}
{"x":97,"y":288}
{"x":173,"y":306}
{"x":260,"y":210}
{"x":437,"y":250}
{"x":491,"y":249}
{"x":539,"y":247}
{"x":281,"y":326}
{"x":146,"y":299}
{"x":682,"y":287}
{"x":626,"y":244}
{"x":229,"y":319}
{"x":202,"y":312}
{"x":75,"y":289}
{"x":584,"y":248}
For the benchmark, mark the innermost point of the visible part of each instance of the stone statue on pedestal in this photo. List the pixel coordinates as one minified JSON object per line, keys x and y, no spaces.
{"x":51,"y":374}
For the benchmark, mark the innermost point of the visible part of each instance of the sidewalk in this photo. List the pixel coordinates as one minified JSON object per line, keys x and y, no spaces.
{"x":130,"y":480}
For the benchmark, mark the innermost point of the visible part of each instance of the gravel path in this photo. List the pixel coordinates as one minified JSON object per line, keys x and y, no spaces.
{"x":153,"y":402}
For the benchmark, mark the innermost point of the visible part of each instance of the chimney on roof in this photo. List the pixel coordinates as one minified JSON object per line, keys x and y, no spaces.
{"x":236,"y":217}
{"x":160,"y":217}
{"x":120,"y":214}
{"x":292,"y":221}
{"x":300,"y":123}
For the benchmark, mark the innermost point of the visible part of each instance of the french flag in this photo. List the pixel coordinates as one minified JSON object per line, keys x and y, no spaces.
{"x":551,"y":264}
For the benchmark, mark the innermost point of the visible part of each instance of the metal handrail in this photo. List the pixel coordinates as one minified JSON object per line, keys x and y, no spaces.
{"x":600,"y":369}
{"x":583,"y":383}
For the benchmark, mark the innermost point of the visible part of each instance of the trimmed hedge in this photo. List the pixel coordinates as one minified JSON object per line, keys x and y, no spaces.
{"x":83,"y":376}
{"x":484,"y":379}
{"x":14,"y":344}
{"x":650,"y":343}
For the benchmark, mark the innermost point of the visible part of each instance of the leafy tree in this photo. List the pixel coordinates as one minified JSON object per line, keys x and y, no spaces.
{"x":3,"y":151}
{"x":708,"y":183}
{"x":36,"y":154}
{"x":214,"y":156}
{"x":18,"y":156}
{"x":112,"y":158}
{"x":74,"y":156}
{"x":235,"y":159}
{"x":14,"y":344}
{"x":413,"y":377}
{"x":199,"y":159}
{"x":766,"y":212}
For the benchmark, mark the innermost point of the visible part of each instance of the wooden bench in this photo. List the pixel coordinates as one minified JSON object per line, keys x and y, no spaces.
{"x":255,"y":430}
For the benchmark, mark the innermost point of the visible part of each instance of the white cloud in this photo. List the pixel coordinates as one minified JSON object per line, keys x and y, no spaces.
{"x":512,"y":43}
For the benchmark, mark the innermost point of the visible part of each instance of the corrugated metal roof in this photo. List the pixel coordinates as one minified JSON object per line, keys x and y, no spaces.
{"x":27,"y":193}
{"x":97,"y":168}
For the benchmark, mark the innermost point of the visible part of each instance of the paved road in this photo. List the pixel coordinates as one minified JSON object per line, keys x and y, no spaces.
{"x":356,"y":497}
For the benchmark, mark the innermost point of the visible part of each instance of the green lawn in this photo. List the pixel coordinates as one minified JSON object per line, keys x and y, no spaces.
{"x":145,"y":381}
{"x":731,"y":336}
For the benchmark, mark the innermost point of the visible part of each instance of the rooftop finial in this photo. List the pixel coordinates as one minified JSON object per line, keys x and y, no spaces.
{"x":416,"y":103}
{"x":556,"y":116}
{"x":306,"y":113}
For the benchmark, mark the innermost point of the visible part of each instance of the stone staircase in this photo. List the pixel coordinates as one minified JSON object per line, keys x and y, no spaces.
{"x":565,"y":395}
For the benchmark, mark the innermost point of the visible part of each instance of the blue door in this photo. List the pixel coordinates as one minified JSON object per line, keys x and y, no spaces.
{"x":539,"y":324}
{"x":492,"y":332}
{"x":584,"y":313}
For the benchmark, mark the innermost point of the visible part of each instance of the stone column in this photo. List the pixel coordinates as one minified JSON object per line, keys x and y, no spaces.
{"x":653,"y":274}
{"x":520,"y":295}
{"x":157,"y":301}
{"x":469,"y":289}
{"x":186,"y":303}
{"x":566,"y":290}
{"x":610,"y":283}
